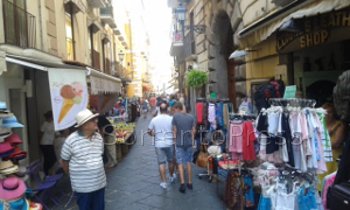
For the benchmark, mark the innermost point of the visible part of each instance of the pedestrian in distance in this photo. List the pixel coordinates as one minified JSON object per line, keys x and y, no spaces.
{"x":184,"y":131}
{"x":82,"y":156}
{"x":46,"y":142}
{"x":160,"y":128}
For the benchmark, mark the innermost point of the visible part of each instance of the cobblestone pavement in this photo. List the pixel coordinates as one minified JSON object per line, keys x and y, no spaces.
{"x":134,"y":183}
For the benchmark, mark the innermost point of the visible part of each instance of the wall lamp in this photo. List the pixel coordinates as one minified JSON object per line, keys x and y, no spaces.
{"x":199,"y":29}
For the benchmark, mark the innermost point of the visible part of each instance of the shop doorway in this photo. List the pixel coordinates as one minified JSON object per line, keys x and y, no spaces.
{"x":321,"y":91}
{"x":221,"y":79}
{"x":17,"y":104}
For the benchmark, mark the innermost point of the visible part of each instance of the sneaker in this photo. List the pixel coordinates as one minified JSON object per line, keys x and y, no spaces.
{"x":182,"y":188}
{"x":163,"y":185}
{"x":172,"y":178}
{"x":190,"y":186}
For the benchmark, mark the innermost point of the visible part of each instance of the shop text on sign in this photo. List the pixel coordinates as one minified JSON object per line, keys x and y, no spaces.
{"x":314,"y":30}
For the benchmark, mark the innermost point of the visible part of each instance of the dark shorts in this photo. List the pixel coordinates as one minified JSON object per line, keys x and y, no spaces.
{"x":184,"y":155}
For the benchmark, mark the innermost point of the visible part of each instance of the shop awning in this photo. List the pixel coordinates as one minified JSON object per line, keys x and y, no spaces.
{"x":102,"y":83}
{"x":67,"y":84}
{"x":265,"y":29}
{"x":39,"y":64}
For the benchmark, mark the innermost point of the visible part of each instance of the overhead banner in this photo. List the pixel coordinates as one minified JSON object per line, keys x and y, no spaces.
{"x":69,"y":95}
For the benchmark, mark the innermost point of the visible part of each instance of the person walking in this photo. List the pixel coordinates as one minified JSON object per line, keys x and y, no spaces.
{"x":82,"y":156}
{"x":46,"y":142}
{"x":184,"y":131}
{"x":160,"y":128}
{"x":107,"y":132}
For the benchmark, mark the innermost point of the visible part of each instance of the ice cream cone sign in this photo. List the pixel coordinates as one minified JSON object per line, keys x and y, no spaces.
{"x":71,"y":94}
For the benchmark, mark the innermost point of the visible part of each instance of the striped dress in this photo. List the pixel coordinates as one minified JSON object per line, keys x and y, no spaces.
{"x":86,"y":167}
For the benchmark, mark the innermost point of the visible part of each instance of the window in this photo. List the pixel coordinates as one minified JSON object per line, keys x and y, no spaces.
{"x":69,"y":37}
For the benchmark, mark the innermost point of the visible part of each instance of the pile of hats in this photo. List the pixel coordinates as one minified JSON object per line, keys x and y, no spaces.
{"x":12,"y":187}
{"x":12,"y":195}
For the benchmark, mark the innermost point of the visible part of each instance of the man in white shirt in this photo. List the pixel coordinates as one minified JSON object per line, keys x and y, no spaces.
{"x":160,"y":128}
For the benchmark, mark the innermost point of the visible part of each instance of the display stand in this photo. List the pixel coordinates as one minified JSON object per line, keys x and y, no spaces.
{"x":10,"y":156}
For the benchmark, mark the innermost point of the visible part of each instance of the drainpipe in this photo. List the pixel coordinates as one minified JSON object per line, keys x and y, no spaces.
{"x":72,"y":25}
{"x":41,"y":27}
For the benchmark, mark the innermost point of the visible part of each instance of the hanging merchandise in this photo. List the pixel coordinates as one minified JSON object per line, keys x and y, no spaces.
{"x":12,"y":185}
{"x":294,"y":135}
{"x":242,"y":137}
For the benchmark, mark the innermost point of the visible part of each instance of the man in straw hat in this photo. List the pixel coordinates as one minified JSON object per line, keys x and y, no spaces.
{"x":82,"y":156}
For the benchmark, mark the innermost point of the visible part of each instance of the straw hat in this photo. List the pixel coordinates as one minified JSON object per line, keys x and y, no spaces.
{"x":7,"y":168}
{"x":84,"y":116}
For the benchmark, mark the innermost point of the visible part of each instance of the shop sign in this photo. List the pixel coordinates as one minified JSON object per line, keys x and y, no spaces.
{"x":69,"y":95}
{"x":290,"y":91}
{"x":313,"y":31}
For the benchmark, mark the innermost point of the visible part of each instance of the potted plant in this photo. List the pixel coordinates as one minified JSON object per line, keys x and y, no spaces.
{"x":197,"y":80}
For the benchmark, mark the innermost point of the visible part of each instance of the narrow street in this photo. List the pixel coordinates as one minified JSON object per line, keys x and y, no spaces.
{"x":134,"y":183}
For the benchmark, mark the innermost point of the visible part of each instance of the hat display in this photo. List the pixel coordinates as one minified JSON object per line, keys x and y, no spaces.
{"x":11,"y":122}
{"x":4,"y":133}
{"x":7,"y":168}
{"x":17,"y":154}
{"x":3,"y":107}
{"x":14,"y":139}
{"x":19,"y":204}
{"x":5,"y":147}
{"x":84,"y":116}
{"x":12,"y":188}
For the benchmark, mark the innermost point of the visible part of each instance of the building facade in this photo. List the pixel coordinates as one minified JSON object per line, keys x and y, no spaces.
{"x":242,"y":44}
{"x":72,"y":35}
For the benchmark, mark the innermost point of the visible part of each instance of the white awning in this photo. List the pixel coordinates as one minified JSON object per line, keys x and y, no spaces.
{"x":103,"y":83}
{"x":67,"y":85}
{"x":317,"y":7}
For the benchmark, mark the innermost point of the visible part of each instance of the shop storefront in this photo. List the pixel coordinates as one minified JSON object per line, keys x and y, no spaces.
{"x":32,"y":86}
{"x":104,"y":90}
{"x":316,"y":51}
{"x":307,"y":48}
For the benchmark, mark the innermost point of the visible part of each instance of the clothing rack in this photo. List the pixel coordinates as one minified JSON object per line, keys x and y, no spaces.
{"x":292,"y":102}
{"x":235,"y":116}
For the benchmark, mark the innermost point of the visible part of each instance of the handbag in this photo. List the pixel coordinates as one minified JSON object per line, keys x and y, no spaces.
{"x":202,"y":158}
{"x":338,"y":196}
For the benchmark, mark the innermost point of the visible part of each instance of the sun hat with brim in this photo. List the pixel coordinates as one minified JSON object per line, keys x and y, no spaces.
{"x":5,"y":147}
{"x":4,"y":133}
{"x":12,"y":188}
{"x":11,"y":122}
{"x":7,"y":167}
{"x":3,"y":107}
{"x":14,"y":139}
{"x":17,"y":154}
{"x":84,"y":116}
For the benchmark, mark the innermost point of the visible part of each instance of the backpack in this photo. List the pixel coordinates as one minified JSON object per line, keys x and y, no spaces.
{"x":272,"y":89}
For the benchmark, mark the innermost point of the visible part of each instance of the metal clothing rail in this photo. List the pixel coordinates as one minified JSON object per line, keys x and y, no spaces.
{"x":296,"y":102}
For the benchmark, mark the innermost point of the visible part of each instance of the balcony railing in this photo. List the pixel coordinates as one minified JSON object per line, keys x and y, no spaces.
{"x":189,"y":45}
{"x":96,"y":59}
{"x":106,"y":15}
{"x":97,"y":3}
{"x":19,"y":25}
